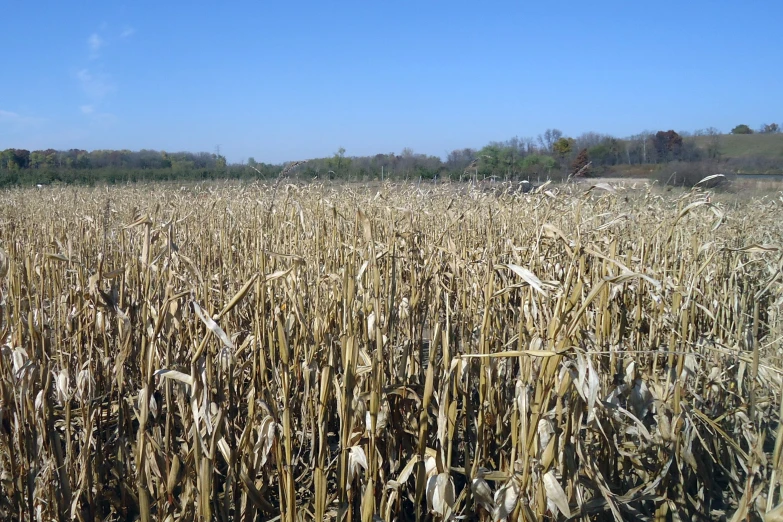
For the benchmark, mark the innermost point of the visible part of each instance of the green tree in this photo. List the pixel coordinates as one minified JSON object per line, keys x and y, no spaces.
{"x":165,"y":160}
{"x":50,"y":157}
{"x":606,"y":152}
{"x":563,"y":147}
{"x":7,"y":159}
{"x":36,"y":159}
{"x":489,"y":161}
{"x":600,"y":154}
{"x":538,"y":164}
{"x":742,"y":129}
{"x":339,"y":156}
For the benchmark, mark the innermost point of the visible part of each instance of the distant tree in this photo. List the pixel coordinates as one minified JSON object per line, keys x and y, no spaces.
{"x":339,"y":156}
{"x":690,"y":151}
{"x":50,"y":157}
{"x":83,"y":160}
{"x":714,"y":146}
{"x":548,"y":139}
{"x":602,"y":154}
{"x":742,"y":129}
{"x":20,"y":159}
{"x":537,"y":164}
{"x":36,"y":159}
{"x":709,"y":131}
{"x":667,"y":144}
{"x":563,"y":146}
{"x":527,"y":145}
{"x":508,"y":156}
{"x":6,"y":159}
{"x":769,"y":128}
{"x":165,"y":162}
{"x":220,"y":161}
{"x":581,"y":165}
{"x":458,"y":159}
{"x":489,"y":161}
{"x":251,"y":161}
{"x":606,"y":151}
{"x":589,"y":139}
{"x":639,"y":148}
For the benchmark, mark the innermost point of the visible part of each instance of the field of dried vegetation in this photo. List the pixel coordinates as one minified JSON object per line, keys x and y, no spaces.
{"x":288,"y":352}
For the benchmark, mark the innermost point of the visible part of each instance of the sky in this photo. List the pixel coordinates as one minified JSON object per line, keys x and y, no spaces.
{"x":280,"y":81}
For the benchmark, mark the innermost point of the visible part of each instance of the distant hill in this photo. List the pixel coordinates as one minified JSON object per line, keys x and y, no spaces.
{"x":742,"y":146}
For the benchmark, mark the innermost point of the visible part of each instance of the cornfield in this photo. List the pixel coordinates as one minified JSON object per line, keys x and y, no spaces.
{"x":310,"y":352}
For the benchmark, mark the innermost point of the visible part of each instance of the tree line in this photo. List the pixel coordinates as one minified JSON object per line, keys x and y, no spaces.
{"x":766,"y":128}
{"x":550,"y":155}
{"x":20,"y":166}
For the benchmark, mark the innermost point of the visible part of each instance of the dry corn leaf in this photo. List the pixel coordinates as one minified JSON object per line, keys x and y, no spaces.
{"x":357,"y":461}
{"x":556,"y":497}
{"x":506,"y":499}
{"x":440,"y":494}
{"x":529,"y":277}
{"x":212,"y":326}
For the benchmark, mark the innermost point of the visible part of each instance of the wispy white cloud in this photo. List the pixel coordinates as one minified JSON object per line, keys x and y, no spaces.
{"x":95,"y":42}
{"x":8,"y":115}
{"x":95,"y":85}
{"x":15,"y":117}
{"x":18,"y":121}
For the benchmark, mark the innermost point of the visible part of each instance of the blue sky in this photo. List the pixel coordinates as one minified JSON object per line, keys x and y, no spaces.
{"x":280,"y":81}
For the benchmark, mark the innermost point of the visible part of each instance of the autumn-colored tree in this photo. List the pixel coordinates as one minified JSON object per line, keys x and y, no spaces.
{"x":667,"y":144}
{"x":581,"y":165}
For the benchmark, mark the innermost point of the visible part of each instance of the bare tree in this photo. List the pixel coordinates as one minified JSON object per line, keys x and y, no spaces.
{"x":639,"y":149}
{"x":713,"y":142}
{"x":549,"y":138}
{"x":460,"y":158}
{"x":528,"y":145}
{"x":588,"y":140}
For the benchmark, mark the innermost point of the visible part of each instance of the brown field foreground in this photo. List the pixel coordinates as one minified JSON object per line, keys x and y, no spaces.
{"x":232,"y":352}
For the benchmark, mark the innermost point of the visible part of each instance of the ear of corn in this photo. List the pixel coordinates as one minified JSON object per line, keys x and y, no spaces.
{"x":238,"y":352}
